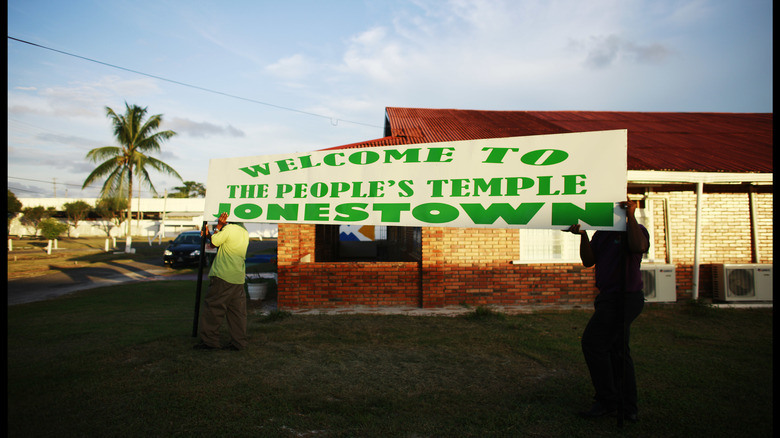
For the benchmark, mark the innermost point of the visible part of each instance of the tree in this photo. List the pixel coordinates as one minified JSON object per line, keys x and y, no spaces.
{"x":136,"y":139}
{"x":14,"y":207}
{"x":191,"y":189}
{"x":52,"y":228}
{"x":111,"y":209}
{"x":76,"y":211}
{"x":34,"y":215}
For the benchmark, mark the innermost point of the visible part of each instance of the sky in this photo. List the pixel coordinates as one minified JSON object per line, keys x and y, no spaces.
{"x":260,"y":77}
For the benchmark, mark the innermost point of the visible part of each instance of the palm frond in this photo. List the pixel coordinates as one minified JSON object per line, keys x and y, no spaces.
{"x":163,"y":167}
{"x":102,"y":153}
{"x":145,"y":179}
{"x":115,"y":184}
{"x":153,"y":142}
{"x":100,"y":171}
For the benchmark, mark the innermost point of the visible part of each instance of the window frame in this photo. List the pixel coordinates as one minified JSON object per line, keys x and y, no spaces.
{"x":643,"y":216}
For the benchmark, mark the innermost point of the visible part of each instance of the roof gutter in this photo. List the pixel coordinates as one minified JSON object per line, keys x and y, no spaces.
{"x":652,"y":176}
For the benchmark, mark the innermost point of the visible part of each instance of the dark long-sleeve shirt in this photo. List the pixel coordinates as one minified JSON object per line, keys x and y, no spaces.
{"x":608,"y":250}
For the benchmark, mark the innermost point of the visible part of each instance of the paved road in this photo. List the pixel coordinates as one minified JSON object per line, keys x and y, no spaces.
{"x":28,"y":290}
{"x":44,"y":287}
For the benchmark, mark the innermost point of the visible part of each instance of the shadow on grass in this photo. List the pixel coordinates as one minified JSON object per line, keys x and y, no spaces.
{"x":119,"y":361}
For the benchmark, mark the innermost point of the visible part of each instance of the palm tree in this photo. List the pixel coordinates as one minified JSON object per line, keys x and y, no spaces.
{"x":136,"y":139}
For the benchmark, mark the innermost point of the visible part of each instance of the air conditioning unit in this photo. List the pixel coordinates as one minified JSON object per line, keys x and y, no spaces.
{"x":659,"y":281}
{"x":742,"y":282}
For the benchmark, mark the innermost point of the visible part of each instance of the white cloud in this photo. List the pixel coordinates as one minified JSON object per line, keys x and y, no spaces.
{"x":686,"y":13}
{"x":604,"y":51}
{"x":371,"y":54}
{"x":501,"y":54}
{"x":293,"y":67}
{"x":78,"y":99}
{"x":202,"y":129}
{"x":647,"y":55}
{"x":218,"y":31}
{"x":64,"y":160}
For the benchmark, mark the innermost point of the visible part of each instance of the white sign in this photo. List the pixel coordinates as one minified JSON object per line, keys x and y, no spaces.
{"x":541,"y":181}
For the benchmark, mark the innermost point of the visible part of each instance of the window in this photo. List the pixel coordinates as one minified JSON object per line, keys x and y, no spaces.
{"x":344,"y":243}
{"x":539,"y":246}
{"x":555,"y":246}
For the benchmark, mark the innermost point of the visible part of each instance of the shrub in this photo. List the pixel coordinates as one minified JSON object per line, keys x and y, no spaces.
{"x":484,"y":313}
{"x":52,"y":228}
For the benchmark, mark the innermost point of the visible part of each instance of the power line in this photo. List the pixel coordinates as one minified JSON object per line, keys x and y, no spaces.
{"x":60,"y":183}
{"x":47,"y":182}
{"x":332,"y":119}
{"x":32,"y":126}
{"x":24,"y":190}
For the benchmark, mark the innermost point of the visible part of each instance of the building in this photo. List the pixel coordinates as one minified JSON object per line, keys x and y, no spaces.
{"x":159,"y":218}
{"x":703,"y":180}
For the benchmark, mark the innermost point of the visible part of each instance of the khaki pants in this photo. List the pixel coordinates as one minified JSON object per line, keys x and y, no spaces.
{"x":222,"y":300}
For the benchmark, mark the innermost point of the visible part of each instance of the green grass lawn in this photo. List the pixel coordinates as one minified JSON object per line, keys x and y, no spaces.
{"x":29,"y":259}
{"x":119,"y":361}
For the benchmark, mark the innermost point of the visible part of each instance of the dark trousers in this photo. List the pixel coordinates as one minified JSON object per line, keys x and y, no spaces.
{"x":224,"y":301}
{"x":605,"y":346}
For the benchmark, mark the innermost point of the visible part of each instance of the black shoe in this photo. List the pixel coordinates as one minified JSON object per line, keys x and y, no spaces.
{"x":231,"y":347}
{"x":202,"y":346}
{"x":598,"y":410}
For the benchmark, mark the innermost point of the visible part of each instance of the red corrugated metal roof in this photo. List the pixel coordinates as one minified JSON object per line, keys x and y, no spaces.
{"x":698,"y":142}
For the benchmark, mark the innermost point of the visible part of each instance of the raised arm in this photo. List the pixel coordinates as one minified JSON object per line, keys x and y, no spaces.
{"x":586,"y":252}
{"x":637,"y":241}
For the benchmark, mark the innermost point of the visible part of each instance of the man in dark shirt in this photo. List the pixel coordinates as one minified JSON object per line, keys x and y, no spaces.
{"x":617,"y":256}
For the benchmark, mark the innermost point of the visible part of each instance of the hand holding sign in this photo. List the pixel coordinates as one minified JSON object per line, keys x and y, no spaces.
{"x":630,"y":207}
{"x":222,"y":221}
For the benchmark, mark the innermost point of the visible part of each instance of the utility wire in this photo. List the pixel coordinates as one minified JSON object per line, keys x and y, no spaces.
{"x":55,"y":183}
{"x":47,"y":182}
{"x":332,"y":119}
{"x":24,"y":190}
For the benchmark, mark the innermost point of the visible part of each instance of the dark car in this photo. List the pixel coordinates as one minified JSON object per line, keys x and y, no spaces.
{"x":185,"y":250}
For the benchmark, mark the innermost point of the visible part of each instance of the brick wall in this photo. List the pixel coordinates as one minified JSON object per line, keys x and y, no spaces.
{"x":295,"y":243}
{"x":725,"y":231}
{"x":306,"y":283}
{"x":474,"y":265}
{"x":460,"y":266}
{"x":329,"y":285}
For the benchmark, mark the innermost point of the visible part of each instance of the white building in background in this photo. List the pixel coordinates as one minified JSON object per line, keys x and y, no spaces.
{"x":161,"y":218}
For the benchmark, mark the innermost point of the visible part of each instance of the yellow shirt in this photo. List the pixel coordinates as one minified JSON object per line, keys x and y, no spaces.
{"x":229,"y":264}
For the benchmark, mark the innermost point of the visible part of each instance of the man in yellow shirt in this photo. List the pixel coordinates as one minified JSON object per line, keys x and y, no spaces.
{"x":225,"y":297}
